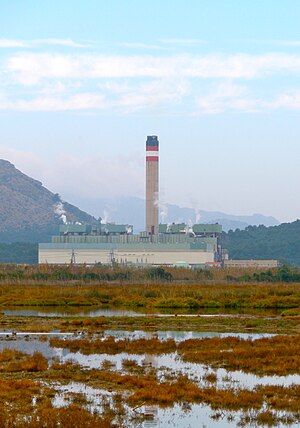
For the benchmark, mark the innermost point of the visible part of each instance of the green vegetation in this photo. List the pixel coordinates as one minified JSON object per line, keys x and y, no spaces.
{"x":260,"y":242}
{"x":235,"y":324}
{"x":133,"y":275}
{"x":149,"y":288}
{"x":29,"y":383}
{"x":282,"y":274}
{"x":19,"y":252}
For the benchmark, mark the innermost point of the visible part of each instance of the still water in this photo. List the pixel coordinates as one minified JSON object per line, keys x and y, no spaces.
{"x":178,"y":416}
{"x":57,"y":311}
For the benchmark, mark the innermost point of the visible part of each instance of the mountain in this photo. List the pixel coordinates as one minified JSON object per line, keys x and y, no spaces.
{"x":28,"y":211}
{"x":132,"y":211}
{"x":259,"y":242}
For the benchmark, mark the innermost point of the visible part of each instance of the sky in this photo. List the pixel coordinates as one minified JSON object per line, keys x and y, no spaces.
{"x":83,"y":82}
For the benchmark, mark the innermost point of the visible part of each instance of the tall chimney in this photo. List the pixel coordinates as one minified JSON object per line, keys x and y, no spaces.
{"x":152,"y":156}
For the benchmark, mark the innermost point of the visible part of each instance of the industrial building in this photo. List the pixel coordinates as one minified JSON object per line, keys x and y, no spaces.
{"x":160,"y":244}
{"x":252,"y":263}
{"x":152,"y":157}
{"x":111,"y":243}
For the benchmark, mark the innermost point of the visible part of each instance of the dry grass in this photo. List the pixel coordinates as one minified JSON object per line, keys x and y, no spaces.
{"x":278,"y":355}
{"x":274,"y":355}
{"x":30,"y":289}
{"x":112,"y":346}
{"x":15,"y":361}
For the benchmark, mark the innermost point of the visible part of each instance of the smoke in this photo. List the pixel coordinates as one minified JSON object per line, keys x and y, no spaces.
{"x":197,"y":215}
{"x":190,"y":222}
{"x":60,"y":211}
{"x":163,"y":212}
{"x":162,"y":207}
{"x":194,"y":204}
{"x":105,"y":217}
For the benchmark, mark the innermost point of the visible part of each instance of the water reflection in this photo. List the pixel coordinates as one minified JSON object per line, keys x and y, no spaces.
{"x":179,"y":416}
{"x":57,"y":311}
{"x":165,"y":364}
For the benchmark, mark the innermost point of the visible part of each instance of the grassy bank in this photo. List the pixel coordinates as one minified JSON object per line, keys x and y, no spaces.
{"x":236,"y":324}
{"x":150,"y":295}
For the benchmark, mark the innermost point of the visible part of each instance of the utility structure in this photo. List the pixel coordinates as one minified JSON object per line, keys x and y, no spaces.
{"x":152,"y":157}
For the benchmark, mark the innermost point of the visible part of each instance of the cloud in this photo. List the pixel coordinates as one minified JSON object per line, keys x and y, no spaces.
{"x":61,"y":42}
{"x":291,"y":43}
{"x":127,"y":83}
{"x":13,"y":43}
{"x":31,"y":68}
{"x":127,"y":98}
{"x":136,"y":45}
{"x":228,"y":96}
{"x":289,"y":101}
{"x":81,"y":101}
{"x":154,"y":93}
{"x":182,"y":42}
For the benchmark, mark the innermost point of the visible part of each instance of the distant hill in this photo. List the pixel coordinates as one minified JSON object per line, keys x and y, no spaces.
{"x":259,"y":242}
{"x":28,"y":211}
{"x":132,"y":211}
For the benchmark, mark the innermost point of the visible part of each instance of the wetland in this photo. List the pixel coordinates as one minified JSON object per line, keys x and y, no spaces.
{"x":213,"y":353}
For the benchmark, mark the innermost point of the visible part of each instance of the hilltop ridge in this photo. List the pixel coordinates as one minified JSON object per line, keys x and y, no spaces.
{"x":30,"y":212}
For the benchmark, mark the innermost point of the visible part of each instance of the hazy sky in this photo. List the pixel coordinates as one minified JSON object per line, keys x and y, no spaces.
{"x":83,"y":82}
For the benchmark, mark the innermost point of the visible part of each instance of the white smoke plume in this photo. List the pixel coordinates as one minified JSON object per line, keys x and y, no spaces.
{"x":162,"y":208}
{"x":60,"y":211}
{"x":105,"y":218}
{"x":197,"y":215}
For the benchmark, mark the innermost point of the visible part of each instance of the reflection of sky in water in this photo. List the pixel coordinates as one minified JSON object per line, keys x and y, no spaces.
{"x":197,"y":415}
{"x":172,"y":363}
{"x":60,"y":313}
{"x":179,"y":336}
{"x":163,"y":363}
{"x":87,"y":312}
{"x":178,"y":416}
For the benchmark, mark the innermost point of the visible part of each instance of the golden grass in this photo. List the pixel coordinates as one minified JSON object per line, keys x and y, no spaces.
{"x":16,"y":361}
{"x":111,"y":345}
{"x":30,"y":289}
{"x":96,"y":325}
{"x":145,"y":388}
{"x":274,"y":355}
{"x":278,"y":355}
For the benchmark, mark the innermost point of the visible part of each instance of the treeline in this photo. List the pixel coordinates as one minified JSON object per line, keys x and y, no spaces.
{"x":19,"y":252}
{"x":260,"y":242}
{"x":99,"y":272}
{"x":11,"y":273}
{"x":282,"y":274}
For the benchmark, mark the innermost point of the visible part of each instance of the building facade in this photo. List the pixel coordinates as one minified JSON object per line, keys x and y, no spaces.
{"x":110,"y":243}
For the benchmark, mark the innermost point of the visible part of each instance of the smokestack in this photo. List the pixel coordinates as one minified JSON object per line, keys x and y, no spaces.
{"x":152,"y":156}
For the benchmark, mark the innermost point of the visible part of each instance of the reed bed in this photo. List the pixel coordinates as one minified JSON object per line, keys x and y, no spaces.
{"x":96,"y":325}
{"x":16,"y":361}
{"x":147,"y":389}
{"x":278,"y":355}
{"x":267,"y":405}
{"x":162,"y":296}
{"x":112,"y":346}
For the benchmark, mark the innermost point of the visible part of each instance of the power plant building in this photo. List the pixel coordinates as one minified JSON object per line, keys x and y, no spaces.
{"x":175,"y":245}
{"x":160,"y":244}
